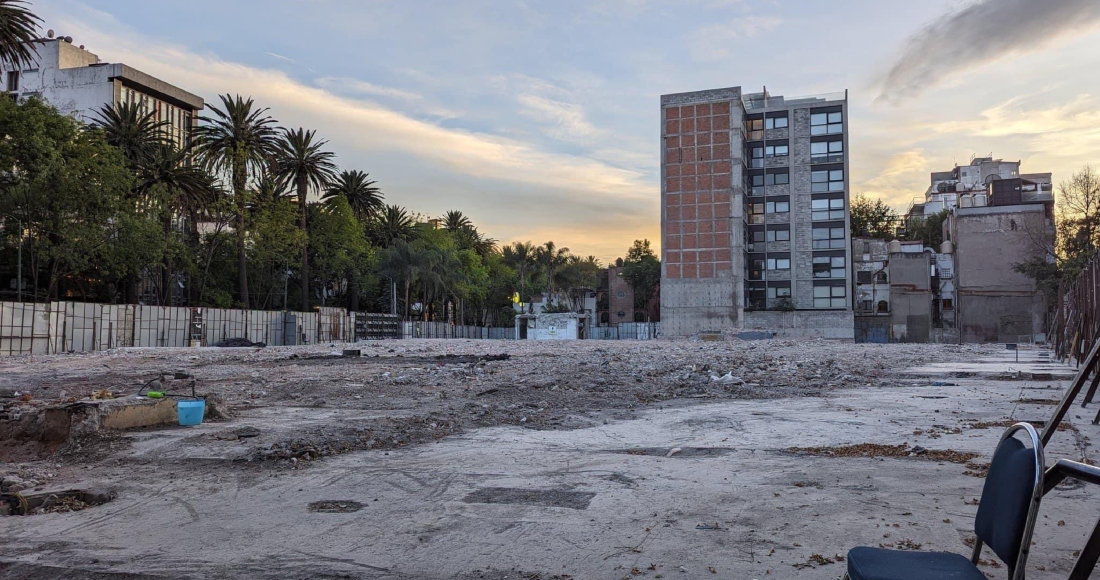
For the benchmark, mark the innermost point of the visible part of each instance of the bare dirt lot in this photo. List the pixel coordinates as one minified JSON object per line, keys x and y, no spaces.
{"x":501,"y":459}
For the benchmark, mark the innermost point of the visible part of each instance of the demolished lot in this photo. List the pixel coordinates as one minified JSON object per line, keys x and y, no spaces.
{"x":494,"y":459}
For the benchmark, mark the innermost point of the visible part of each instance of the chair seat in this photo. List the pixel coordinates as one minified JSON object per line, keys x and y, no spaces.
{"x":878,"y":564}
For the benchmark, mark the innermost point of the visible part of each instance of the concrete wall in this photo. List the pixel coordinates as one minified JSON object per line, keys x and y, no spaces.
{"x":830,"y":324}
{"x":994,"y":302}
{"x":911,"y":296}
{"x":557,"y":326}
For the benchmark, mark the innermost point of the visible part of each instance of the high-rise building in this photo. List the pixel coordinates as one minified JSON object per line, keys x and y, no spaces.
{"x":754,"y":214}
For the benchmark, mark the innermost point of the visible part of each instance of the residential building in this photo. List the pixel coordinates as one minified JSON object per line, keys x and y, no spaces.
{"x":620,"y":297}
{"x":77,"y":83}
{"x":870,"y":262}
{"x":969,"y":186}
{"x":911,"y":275}
{"x":755,"y":214}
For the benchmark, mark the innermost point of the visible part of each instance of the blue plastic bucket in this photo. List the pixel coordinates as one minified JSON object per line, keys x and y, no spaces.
{"x":191,"y":412}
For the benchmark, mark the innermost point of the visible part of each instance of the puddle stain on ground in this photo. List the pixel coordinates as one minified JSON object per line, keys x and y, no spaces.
{"x":577,"y":500}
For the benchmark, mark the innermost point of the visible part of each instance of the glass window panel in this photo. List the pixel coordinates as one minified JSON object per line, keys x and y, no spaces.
{"x":782,"y":178}
{"x":819,"y":176}
{"x":819,"y":119}
{"x":835,"y":117}
{"x":819,"y":148}
{"x":821,"y":291}
{"x":836,"y":175}
{"x":836,"y":186}
{"x":819,"y":204}
{"x":836,"y":146}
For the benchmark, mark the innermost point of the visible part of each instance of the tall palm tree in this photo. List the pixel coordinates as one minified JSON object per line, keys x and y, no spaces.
{"x":454,"y":221}
{"x":521,"y":257}
{"x":552,"y":259}
{"x":303,"y":163}
{"x":401,"y":261}
{"x":237,"y":142}
{"x":18,"y":31}
{"x":131,"y":129}
{"x":358,"y":189}
{"x":392,"y":225}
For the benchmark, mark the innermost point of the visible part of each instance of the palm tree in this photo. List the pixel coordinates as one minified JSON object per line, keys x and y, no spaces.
{"x":18,"y":31}
{"x":521,"y":257}
{"x":552,"y":259}
{"x":302,"y":163}
{"x":131,"y":129}
{"x":454,"y":221}
{"x":392,"y":225}
{"x":237,"y":141}
{"x":401,"y":261}
{"x":357,"y":187}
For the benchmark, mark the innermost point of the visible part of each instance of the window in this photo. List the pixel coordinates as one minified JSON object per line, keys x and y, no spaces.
{"x":621,"y":295}
{"x":864,"y":277}
{"x":826,"y":123}
{"x":865,"y":306}
{"x":756,"y":213}
{"x":775,"y":123}
{"x":779,"y":292}
{"x":947,"y":304}
{"x":759,"y":181}
{"x":757,"y":157}
{"x":754,"y":129}
{"x":13,"y":81}
{"x":829,"y":297}
{"x":778,"y":207}
{"x":828,"y":238}
{"x":775,"y":151}
{"x":756,"y":269}
{"x":827,"y":151}
{"x":880,"y":278}
{"x":828,"y":267}
{"x":883,"y":306}
{"x":779,"y":235}
{"x":754,"y":298}
{"x":779,"y":263}
{"x":825,"y":181}
{"x":827,"y":209}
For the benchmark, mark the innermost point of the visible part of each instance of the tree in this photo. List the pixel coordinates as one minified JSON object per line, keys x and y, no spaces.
{"x":359,"y":191}
{"x":302,"y":163}
{"x":401,"y":262}
{"x":18,"y":31}
{"x":928,"y":229}
{"x":132,"y":129}
{"x":520,"y":256}
{"x":454,"y":221}
{"x":339,"y":252}
{"x":642,"y":270}
{"x":392,"y":225}
{"x":237,"y":142}
{"x":551,"y":258}
{"x":871,"y":218}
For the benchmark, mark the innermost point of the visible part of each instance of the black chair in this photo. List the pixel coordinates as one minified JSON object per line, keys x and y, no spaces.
{"x":1006,"y":517}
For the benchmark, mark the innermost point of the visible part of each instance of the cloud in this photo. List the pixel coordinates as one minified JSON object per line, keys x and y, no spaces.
{"x":903,"y":177}
{"x":979,"y":33}
{"x":714,"y":42}
{"x":357,"y":87}
{"x":1022,"y":116}
{"x":567,"y":120}
{"x":279,"y":56}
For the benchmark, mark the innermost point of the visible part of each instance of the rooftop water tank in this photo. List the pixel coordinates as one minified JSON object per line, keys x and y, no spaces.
{"x":979,"y":199}
{"x":894,"y":247}
{"x":947,"y":247}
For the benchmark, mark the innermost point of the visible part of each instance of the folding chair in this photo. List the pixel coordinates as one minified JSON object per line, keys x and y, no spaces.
{"x":1006,"y":517}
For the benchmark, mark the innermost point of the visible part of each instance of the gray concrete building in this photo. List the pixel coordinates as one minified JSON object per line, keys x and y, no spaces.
{"x":77,"y":83}
{"x":755,"y":214}
{"x":911,"y":280}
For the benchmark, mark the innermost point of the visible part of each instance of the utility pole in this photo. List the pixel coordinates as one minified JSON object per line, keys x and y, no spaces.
{"x":19,"y":280}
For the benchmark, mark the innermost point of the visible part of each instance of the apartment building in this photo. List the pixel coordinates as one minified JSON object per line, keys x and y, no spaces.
{"x":755,"y":214}
{"x":77,"y":83}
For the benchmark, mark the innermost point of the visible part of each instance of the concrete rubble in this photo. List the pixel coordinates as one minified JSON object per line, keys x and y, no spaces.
{"x":515,"y":459}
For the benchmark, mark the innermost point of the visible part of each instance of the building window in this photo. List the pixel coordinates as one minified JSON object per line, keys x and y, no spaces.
{"x":756,"y":213}
{"x":621,"y":295}
{"x":776,"y":151}
{"x":779,"y":263}
{"x":775,"y":123}
{"x":883,"y":307}
{"x":880,"y":278}
{"x":828,"y":267}
{"x":13,"y":81}
{"x":827,"y":151}
{"x":826,"y":123}
{"x":947,"y":304}
{"x":757,"y":157}
{"x":829,"y":297}
{"x":779,"y":235}
{"x":756,"y":269}
{"x":828,"y":238}
{"x":779,"y":292}
{"x":863,"y":277}
{"x":827,"y":209}
{"x":754,"y":129}
{"x":778,"y":207}
{"x":865,"y":306}
{"x":759,"y":181}
{"x":825,"y":181}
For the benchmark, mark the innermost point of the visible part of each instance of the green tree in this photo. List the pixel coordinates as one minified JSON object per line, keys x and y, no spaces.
{"x":642,"y":270}
{"x":132,"y":129}
{"x":521,"y":257}
{"x":871,"y":218}
{"x":393,"y":224}
{"x":359,"y":191}
{"x":237,"y":142}
{"x":303,"y":164}
{"x":275,"y":249}
{"x":928,"y":229}
{"x":18,"y":31}
{"x":339,"y":251}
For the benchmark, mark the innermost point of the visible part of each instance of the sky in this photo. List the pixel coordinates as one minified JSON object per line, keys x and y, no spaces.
{"x":541,"y":120}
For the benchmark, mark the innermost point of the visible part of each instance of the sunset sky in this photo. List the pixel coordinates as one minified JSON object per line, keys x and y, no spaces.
{"x":540,"y":120}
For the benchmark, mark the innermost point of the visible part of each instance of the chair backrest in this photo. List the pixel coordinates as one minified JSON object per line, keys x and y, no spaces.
{"x":1010,"y":498}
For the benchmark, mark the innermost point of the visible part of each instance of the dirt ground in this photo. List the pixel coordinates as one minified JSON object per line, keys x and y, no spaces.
{"x":319,"y":418}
